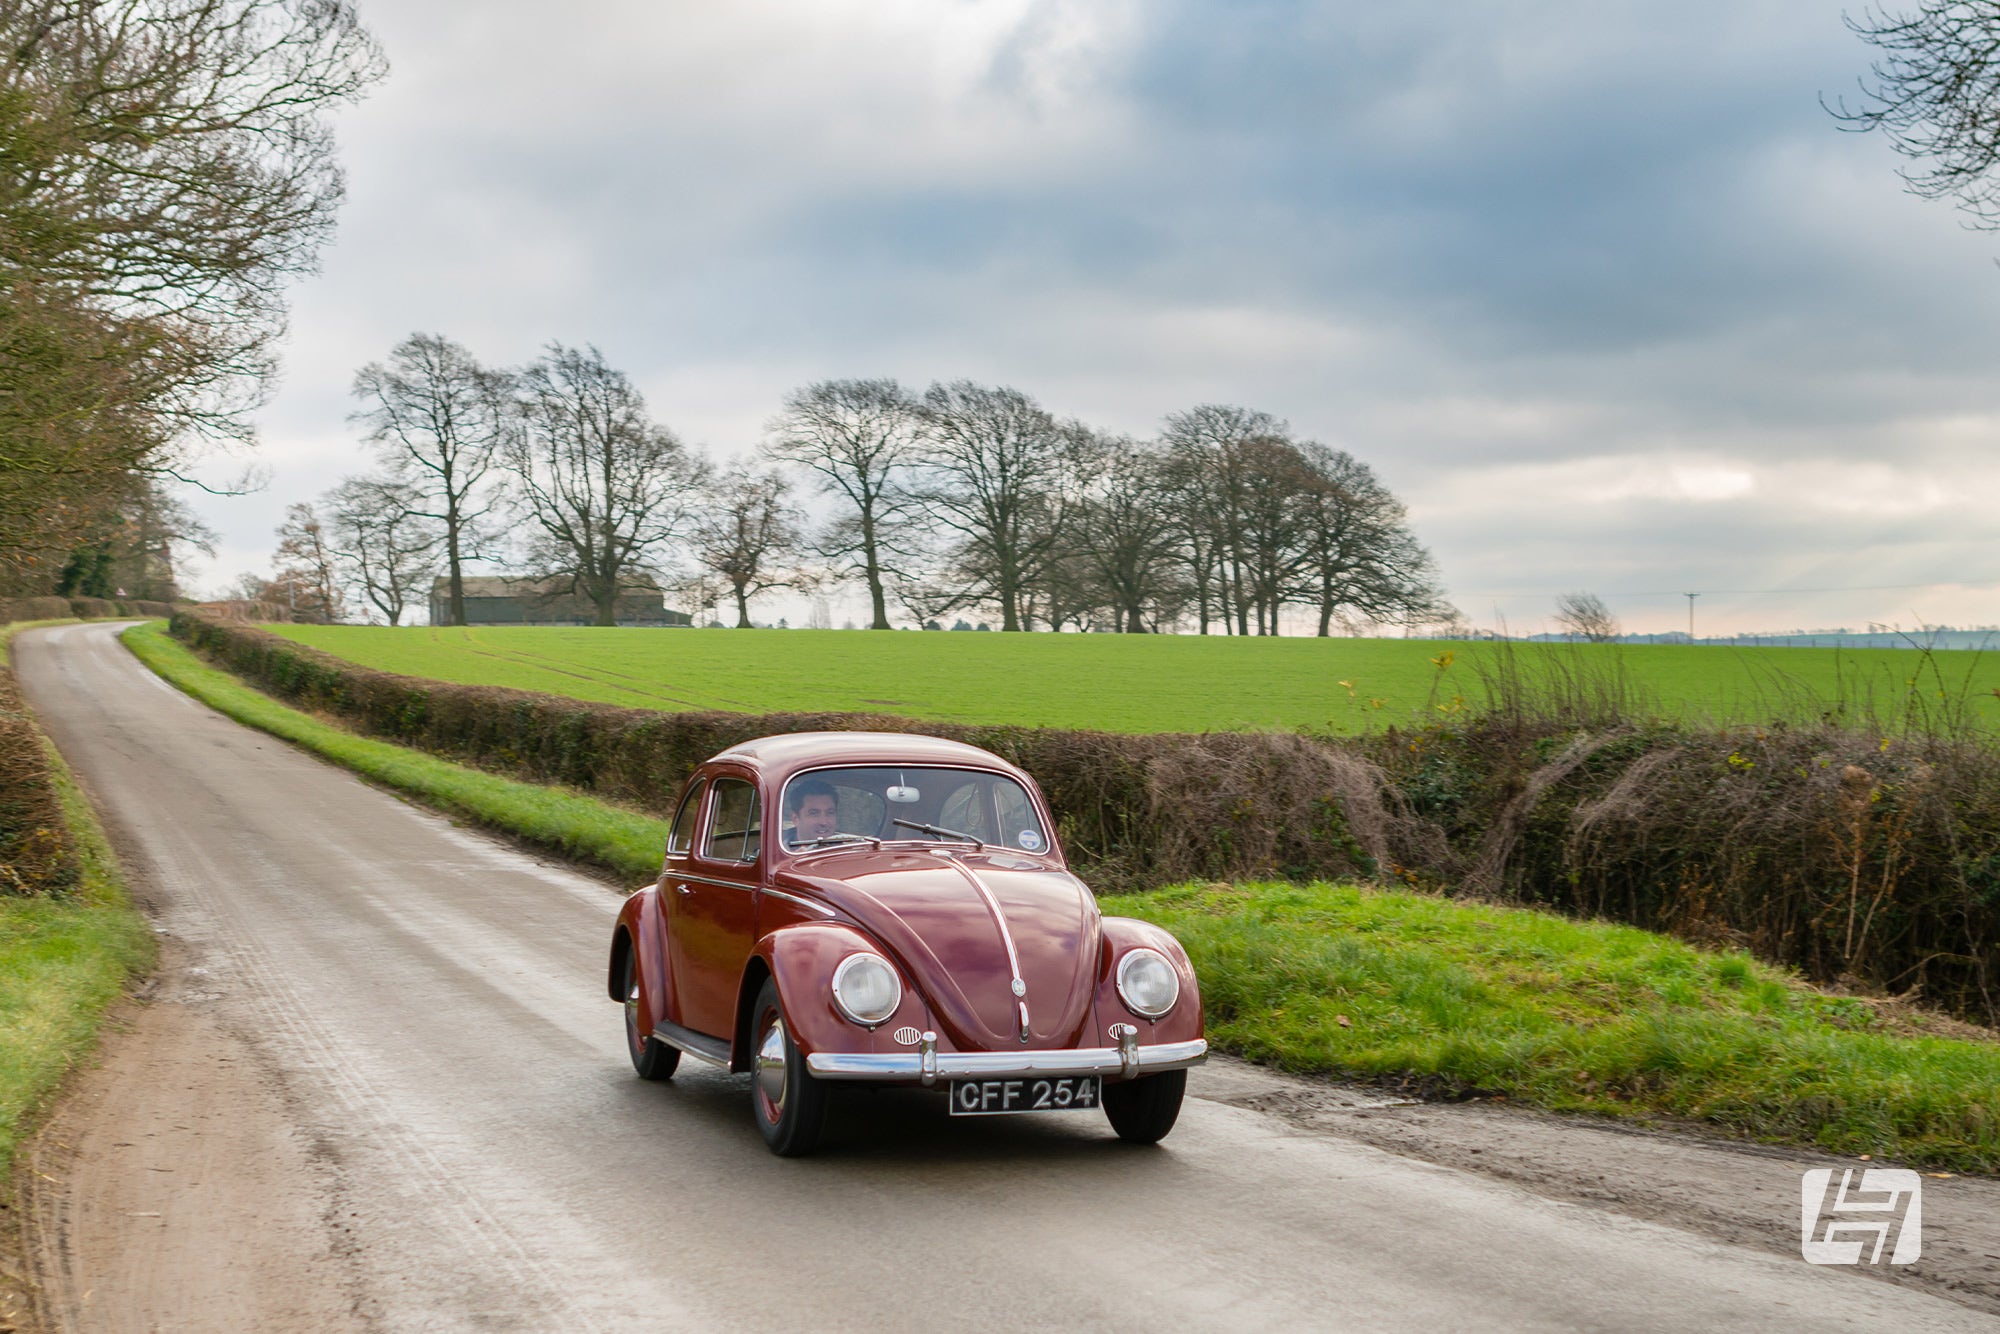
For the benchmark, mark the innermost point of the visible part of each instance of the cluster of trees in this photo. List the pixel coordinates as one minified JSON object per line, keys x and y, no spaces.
{"x":164,"y":166}
{"x":959,"y":497}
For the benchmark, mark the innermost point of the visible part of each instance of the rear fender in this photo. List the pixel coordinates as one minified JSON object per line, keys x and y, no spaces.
{"x":1179,"y":1024}
{"x":801,"y":959}
{"x":638,"y":934}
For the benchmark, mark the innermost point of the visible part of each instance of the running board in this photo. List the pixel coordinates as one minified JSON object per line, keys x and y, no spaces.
{"x":698,"y":1045}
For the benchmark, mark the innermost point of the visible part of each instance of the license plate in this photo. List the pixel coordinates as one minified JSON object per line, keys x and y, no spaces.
{"x":999,"y":1097}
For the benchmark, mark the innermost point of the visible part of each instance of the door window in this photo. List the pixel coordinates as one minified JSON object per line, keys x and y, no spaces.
{"x":733,"y":830}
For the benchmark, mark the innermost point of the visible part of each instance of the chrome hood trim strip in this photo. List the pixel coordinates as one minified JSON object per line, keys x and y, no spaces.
{"x":1020,"y":984}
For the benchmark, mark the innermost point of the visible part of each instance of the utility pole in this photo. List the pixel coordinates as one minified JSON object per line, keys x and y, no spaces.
{"x":1690,"y":597}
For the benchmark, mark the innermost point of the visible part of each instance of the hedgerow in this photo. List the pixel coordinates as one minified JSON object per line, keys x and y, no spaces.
{"x":1851,"y":852}
{"x":55,"y":608}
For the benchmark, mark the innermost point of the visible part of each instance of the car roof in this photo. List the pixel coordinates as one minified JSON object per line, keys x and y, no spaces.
{"x":799,"y":750}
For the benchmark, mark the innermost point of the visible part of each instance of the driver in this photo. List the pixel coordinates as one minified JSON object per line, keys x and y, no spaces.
{"x":810,"y":807}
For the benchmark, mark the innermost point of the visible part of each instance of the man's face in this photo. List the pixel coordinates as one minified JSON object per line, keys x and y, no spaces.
{"x":815,"y":818}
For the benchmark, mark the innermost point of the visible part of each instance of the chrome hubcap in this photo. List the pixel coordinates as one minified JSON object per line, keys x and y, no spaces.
{"x":771,"y":1066}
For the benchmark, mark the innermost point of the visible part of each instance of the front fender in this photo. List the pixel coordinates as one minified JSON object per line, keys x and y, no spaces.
{"x":1179,"y":1024}
{"x":801,"y":959}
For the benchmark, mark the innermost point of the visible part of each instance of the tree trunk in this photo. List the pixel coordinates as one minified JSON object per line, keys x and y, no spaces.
{"x":456,"y":579}
{"x":872,"y":565}
{"x":1010,"y":613}
{"x":742,"y":609}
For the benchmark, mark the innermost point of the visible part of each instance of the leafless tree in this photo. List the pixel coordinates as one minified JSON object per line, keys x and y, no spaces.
{"x":856,"y":438}
{"x":997,"y":478}
{"x":1125,"y":533}
{"x":746,"y":533}
{"x":1359,"y":556}
{"x":384,"y":541}
{"x":1211,"y":474}
{"x":306,"y":565}
{"x":1584,"y":616}
{"x":1269,"y":528}
{"x":167,"y":164}
{"x":608,"y":488}
{"x":441,"y":422}
{"x":1936,"y":94}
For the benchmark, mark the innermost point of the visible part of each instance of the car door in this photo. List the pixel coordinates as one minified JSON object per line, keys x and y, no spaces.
{"x":714,"y":906}
{"x":674,"y":870}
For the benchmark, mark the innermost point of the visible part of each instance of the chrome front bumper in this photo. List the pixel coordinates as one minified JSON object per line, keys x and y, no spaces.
{"x":927,"y":1065}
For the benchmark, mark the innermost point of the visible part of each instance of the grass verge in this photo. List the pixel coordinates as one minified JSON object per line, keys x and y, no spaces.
{"x":622,"y":841}
{"x":1576,"y":1017}
{"x":1448,"y":995}
{"x":62,"y":961}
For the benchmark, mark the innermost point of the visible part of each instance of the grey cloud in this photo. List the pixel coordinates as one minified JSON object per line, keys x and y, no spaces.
{"x":1504,"y":233}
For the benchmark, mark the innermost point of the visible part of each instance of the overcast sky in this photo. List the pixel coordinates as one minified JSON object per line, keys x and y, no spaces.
{"x":1599,"y":289}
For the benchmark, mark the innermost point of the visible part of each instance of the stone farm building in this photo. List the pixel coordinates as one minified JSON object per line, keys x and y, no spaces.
{"x":496,"y":600}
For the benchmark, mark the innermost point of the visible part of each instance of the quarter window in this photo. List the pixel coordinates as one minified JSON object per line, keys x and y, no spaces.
{"x":732,"y":822}
{"x":682,"y":837}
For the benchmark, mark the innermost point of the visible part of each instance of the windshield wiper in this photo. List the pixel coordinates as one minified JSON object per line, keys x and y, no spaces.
{"x":935,"y":832}
{"x":826,"y":839}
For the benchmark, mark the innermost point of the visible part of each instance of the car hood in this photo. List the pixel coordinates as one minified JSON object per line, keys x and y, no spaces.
{"x":940,"y":913}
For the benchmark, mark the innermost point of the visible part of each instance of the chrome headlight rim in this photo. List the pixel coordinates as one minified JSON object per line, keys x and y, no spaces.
{"x":1142,"y":954}
{"x":843,"y":989}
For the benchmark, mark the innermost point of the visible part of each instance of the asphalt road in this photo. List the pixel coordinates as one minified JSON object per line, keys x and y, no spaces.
{"x":430,"y":1004}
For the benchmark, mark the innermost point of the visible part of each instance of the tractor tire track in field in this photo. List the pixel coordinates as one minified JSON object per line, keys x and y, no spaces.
{"x":382,"y":1050}
{"x":603,"y":678}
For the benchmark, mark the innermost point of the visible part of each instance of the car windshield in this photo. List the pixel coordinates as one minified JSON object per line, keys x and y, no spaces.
{"x":826,"y":807}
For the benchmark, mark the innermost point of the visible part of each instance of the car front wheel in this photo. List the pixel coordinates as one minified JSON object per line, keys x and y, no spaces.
{"x":789,"y":1103}
{"x":1142,"y":1111}
{"x":652,"y":1058}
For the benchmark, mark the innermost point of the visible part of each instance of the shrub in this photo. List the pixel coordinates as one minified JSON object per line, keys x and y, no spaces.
{"x":1850,"y":855}
{"x":56,"y":609}
{"x":37,"y":855}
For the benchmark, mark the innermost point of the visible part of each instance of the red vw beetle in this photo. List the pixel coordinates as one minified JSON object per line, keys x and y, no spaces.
{"x":892,"y":908}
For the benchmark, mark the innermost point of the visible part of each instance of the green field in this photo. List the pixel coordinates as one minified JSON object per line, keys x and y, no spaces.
{"x":1357,"y":981}
{"x":1147,"y":683}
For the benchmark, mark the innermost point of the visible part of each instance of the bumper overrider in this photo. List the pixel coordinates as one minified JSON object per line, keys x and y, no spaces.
{"x":927,"y":1065}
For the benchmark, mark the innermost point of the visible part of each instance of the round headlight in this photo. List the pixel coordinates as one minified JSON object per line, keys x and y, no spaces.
{"x":866,"y":989}
{"x":1148,"y":983}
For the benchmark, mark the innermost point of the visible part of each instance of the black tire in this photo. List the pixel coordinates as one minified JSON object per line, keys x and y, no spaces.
{"x":652,"y":1058}
{"x":789,"y":1104}
{"x":1142,"y":1111}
